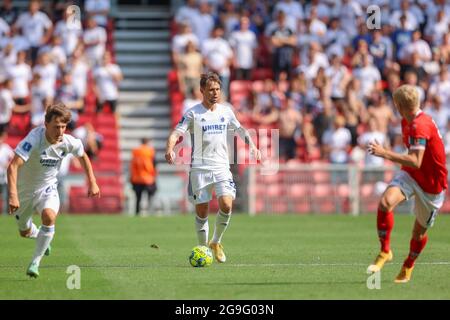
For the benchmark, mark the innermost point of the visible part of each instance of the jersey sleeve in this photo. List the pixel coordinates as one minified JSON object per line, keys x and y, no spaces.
{"x":77,"y":148}
{"x":234,"y":122}
{"x":419,"y":134}
{"x":25,"y":147}
{"x":186,"y":122}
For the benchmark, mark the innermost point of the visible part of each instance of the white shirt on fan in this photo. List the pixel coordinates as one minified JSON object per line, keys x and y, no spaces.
{"x":108,"y":88}
{"x":43,"y":160}
{"x":244,"y":42}
{"x":6,"y":105}
{"x":95,"y":52}
{"x":6,"y":155}
{"x":21,"y":75}
{"x":34,"y":26}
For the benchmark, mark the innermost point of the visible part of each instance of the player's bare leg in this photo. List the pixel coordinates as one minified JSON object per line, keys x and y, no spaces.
{"x":385,"y":222}
{"x":222,"y":221}
{"x":201,"y":223}
{"x":418,"y":241}
{"x":45,"y":236}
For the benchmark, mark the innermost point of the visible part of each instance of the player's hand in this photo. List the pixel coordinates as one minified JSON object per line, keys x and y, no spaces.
{"x":376,"y":149}
{"x":256,"y":153}
{"x":93,"y":191}
{"x":170,"y":157}
{"x":13,"y":204}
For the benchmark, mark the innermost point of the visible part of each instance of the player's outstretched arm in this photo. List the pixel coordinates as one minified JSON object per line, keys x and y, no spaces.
{"x":413,"y":159}
{"x":13,"y":169}
{"x":245,"y":136}
{"x":93,"y":190}
{"x":171,"y":142}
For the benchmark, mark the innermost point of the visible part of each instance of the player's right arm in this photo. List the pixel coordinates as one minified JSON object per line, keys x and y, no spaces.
{"x":12,"y":172}
{"x":171,"y":142}
{"x":184,"y":125}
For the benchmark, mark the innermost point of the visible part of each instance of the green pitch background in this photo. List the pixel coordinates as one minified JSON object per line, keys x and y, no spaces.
{"x":269,"y":257}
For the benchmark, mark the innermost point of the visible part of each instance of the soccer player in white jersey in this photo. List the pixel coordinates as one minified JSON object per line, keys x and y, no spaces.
{"x":208,"y":123}
{"x":32,"y":179}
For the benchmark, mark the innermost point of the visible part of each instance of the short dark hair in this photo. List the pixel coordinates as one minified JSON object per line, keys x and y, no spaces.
{"x":209,"y":77}
{"x":58,"y":110}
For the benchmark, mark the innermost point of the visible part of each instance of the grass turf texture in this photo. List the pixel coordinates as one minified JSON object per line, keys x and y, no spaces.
{"x":268,"y":257}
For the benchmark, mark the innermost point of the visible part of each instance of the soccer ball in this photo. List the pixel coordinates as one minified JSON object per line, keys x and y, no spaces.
{"x":201,"y":256}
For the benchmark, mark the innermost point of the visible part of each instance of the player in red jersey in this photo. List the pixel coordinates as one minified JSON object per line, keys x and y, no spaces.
{"x":423,"y":174}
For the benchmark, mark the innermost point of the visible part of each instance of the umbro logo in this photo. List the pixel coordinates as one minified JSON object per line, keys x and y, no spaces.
{"x":203,"y":120}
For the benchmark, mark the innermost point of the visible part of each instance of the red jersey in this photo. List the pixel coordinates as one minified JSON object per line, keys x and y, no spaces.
{"x":422,"y":133}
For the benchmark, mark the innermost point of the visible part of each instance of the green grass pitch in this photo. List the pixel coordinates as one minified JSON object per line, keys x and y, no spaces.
{"x":269,"y":257}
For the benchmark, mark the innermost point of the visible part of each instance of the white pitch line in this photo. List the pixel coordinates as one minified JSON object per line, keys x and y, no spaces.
{"x":356,"y":264}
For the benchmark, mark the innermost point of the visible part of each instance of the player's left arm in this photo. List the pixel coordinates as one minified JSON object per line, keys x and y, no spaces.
{"x":413,"y":159}
{"x":93,"y":190}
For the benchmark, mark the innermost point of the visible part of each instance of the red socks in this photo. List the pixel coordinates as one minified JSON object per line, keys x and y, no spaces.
{"x":415,"y":248}
{"x":385,"y":223}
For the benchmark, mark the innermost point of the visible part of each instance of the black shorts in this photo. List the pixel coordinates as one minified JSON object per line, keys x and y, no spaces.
{"x":149,"y":188}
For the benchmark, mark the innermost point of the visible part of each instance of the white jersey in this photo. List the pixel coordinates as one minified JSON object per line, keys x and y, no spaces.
{"x":209,"y":132}
{"x":42,"y":159}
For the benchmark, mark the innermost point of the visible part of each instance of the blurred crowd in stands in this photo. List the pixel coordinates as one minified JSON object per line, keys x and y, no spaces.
{"x":315,"y":71}
{"x":49,"y":52}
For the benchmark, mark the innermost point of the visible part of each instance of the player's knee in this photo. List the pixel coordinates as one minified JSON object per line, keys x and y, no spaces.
{"x":226,"y":208}
{"x":387,"y":203}
{"x":48,"y":217}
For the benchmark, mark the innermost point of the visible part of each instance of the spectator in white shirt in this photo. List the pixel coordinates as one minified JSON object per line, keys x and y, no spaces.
{"x":6,"y":155}
{"x":49,"y":73}
{"x":181,"y":39}
{"x":368,"y":75}
{"x":99,"y":10}
{"x":36,"y":26}
{"x":79,"y":69}
{"x":438,"y":112}
{"x":94,"y":38}
{"x":4,"y":28}
{"x":38,"y":102}
{"x":187,"y":12}
{"x":417,"y":45}
{"x":336,"y":141}
{"x":339,"y":77}
{"x":441,"y":87}
{"x":107,"y":78}
{"x":21,"y":75}
{"x":218,"y":57}
{"x":435,"y":30}
{"x":203,"y":22}
{"x":351,"y":14}
{"x":70,"y":30}
{"x":56,"y":52}
{"x":6,"y":104}
{"x":8,"y":58}
{"x":244,"y":45}
{"x":293,"y":10}
{"x":371,"y":135}
{"x":411,"y":20}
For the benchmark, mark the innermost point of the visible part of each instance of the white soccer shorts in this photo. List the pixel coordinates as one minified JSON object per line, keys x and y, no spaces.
{"x":45,"y":198}
{"x":203,"y":182}
{"x":426,"y":205}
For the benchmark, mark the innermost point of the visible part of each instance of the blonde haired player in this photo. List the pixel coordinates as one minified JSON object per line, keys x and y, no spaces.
{"x":32,"y":179}
{"x":423,"y":174}
{"x":208,"y":123}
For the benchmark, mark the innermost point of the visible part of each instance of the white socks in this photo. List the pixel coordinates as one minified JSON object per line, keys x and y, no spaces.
{"x":222,"y":221}
{"x":43,"y":240}
{"x":34,"y":232}
{"x":202,"y":228}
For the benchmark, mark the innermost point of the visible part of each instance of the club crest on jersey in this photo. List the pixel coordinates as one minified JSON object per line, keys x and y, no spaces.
{"x":222,"y":119}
